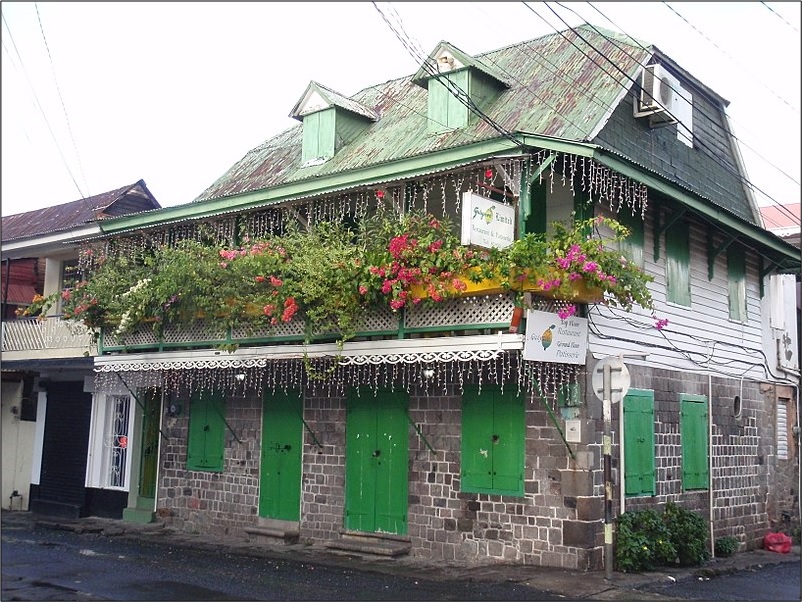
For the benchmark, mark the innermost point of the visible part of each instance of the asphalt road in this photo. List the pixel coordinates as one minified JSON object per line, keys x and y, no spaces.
{"x":43,"y":564}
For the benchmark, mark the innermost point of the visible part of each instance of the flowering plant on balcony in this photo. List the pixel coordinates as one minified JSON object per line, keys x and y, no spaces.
{"x":328,"y":276}
{"x":414,"y":252}
{"x":557,"y":262}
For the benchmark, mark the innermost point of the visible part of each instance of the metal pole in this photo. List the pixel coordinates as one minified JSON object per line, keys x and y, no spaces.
{"x":607,"y":447}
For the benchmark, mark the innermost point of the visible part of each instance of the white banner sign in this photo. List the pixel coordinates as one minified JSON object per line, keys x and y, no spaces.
{"x":550,"y":339}
{"x":486,"y":223}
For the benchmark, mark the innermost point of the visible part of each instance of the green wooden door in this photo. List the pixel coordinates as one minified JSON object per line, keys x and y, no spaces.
{"x":149,"y":453}
{"x":376,"y":462}
{"x":282,"y":440}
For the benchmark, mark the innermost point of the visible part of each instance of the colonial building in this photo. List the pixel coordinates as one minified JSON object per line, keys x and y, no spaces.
{"x":47,"y":371}
{"x":449,"y":430}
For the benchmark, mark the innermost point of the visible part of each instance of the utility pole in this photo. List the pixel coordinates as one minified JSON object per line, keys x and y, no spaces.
{"x":607,"y":449}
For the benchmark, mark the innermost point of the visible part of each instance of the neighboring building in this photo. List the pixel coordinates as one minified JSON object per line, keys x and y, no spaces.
{"x":246,"y":443}
{"x":783,"y":220}
{"x":47,"y":369}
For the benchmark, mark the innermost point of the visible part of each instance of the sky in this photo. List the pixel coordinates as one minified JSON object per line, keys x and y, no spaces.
{"x":98,"y":95}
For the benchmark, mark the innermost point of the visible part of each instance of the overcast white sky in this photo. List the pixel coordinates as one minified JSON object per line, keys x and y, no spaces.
{"x":99,"y":95}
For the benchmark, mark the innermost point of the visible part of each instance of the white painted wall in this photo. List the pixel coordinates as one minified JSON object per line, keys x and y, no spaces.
{"x":17,"y":448}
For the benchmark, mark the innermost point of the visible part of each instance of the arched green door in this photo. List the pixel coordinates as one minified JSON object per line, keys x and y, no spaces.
{"x":282,"y":442}
{"x":376,"y":462}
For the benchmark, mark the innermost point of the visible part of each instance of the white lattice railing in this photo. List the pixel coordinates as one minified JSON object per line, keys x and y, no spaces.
{"x":469,"y":313}
{"x":32,"y":334}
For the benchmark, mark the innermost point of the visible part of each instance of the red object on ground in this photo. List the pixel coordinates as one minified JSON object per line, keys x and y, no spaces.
{"x":777,"y":542}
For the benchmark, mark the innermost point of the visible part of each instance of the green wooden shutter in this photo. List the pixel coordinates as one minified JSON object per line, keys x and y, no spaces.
{"x":639,"y":477}
{"x":736,"y":276}
{"x":508,"y":443}
{"x":678,"y":264}
{"x":632,"y":245}
{"x":318,"y":135}
{"x":694,"y":435}
{"x":206,"y":440}
{"x":445,"y":110}
{"x":493,"y":441}
{"x":477,"y":430}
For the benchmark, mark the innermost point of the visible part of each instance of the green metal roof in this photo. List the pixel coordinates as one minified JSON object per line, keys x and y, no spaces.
{"x":549,"y":95}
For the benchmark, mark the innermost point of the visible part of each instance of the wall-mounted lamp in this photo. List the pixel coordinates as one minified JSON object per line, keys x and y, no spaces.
{"x":428,"y":373}
{"x":240,"y":377}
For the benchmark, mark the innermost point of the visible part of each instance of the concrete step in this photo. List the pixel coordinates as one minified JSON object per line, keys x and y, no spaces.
{"x":287,"y":531}
{"x":374,"y":544}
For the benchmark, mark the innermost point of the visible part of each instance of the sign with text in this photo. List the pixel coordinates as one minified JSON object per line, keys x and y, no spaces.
{"x":551,"y":339}
{"x":486,"y":223}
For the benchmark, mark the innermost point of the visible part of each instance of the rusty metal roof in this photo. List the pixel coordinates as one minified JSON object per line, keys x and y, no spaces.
{"x":133,"y":198}
{"x":558,"y":88}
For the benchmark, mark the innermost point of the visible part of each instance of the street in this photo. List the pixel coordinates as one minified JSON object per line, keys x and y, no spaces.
{"x":43,"y":564}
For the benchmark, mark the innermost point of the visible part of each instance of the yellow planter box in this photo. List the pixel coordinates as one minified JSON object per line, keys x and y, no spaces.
{"x":581,"y":292}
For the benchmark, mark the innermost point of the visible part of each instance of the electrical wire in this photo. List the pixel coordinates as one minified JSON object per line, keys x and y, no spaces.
{"x":701,"y":145}
{"x":60,"y":97}
{"x":39,"y":107}
{"x":679,"y":92}
{"x":779,"y":16}
{"x":697,"y":30}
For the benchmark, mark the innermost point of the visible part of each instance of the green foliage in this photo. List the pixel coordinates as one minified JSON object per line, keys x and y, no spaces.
{"x":647,"y":539}
{"x":689,"y":533}
{"x":726,"y":546}
{"x":644,"y":542}
{"x":328,"y":276}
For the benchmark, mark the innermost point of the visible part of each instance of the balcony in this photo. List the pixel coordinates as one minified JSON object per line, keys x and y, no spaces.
{"x":53,"y":338}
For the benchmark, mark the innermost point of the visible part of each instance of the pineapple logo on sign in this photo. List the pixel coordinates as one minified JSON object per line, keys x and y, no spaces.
{"x":547,"y":337}
{"x":552,"y":339}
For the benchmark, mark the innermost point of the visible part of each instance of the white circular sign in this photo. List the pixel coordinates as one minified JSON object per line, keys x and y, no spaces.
{"x":619,"y":378}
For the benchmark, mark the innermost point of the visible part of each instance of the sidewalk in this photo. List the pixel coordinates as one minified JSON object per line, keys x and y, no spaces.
{"x":572,"y":584}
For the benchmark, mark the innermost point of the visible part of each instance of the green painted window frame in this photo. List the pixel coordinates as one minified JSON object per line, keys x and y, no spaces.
{"x":693,"y":429}
{"x":639,"y":448}
{"x":206,"y":439}
{"x":493,"y":450}
{"x":736,"y":282}
{"x":678,"y":264}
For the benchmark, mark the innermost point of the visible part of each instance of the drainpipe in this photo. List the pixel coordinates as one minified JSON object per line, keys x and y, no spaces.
{"x":710,"y":458}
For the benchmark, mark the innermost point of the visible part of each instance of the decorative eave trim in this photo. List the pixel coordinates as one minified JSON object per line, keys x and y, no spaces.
{"x":706,"y":209}
{"x":436,"y":350}
{"x":417,"y":166}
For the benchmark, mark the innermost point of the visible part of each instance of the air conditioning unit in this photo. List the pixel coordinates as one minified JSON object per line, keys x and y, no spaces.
{"x":655,"y":99}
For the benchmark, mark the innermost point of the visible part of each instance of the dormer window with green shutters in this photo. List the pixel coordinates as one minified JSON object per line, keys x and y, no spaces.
{"x":457,"y":85}
{"x":330,"y":121}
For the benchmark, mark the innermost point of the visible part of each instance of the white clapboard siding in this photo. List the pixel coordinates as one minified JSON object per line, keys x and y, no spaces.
{"x":699,"y":337}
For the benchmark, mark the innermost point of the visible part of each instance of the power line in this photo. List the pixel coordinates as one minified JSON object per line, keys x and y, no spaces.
{"x":58,"y":89}
{"x":701,"y":144}
{"x":697,"y":30}
{"x":41,"y":110}
{"x":767,"y":161}
{"x":780,"y":17}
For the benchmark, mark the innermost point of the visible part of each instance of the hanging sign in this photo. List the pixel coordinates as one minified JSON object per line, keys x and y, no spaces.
{"x":486,"y":223}
{"x":551,"y":339}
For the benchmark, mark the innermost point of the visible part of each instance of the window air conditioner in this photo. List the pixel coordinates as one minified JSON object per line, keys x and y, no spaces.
{"x":655,"y":99}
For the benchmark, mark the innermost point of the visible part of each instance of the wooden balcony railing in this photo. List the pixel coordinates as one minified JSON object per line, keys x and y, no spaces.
{"x":53,"y":333}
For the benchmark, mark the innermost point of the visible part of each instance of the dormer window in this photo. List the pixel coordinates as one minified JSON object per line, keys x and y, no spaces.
{"x":456,"y":82}
{"x":330,"y":121}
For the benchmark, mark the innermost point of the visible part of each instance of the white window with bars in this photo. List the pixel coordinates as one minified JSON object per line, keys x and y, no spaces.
{"x":112,"y":432}
{"x":782,"y":429}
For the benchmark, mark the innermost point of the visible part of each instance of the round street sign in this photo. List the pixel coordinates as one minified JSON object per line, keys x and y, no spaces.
{"x":619,"y":378}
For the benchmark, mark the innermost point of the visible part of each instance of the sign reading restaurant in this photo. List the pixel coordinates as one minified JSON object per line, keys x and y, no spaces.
{"x":551,"y":339}
{"x":486,"y":223}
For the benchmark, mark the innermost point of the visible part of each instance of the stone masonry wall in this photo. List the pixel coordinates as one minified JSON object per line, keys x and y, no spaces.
{"x":741,"y":451}
{"x":212,"y":502}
